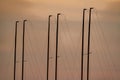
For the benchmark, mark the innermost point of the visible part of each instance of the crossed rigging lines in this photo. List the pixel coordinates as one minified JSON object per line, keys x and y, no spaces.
{"x":57,"y":38}
{"x":56,"y":64}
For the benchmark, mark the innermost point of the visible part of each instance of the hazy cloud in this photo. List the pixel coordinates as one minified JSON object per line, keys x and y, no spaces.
{"x":114,"y":8}
{"x":14,"y":7}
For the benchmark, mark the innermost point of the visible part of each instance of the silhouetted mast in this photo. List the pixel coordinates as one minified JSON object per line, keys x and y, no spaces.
{"x":23,"y":49}
{"x":56,"y":46}
{"x":82,"y":44}
{"x":15,"y":50}
{"x":88,"y":50}
{"x":48,"y":46}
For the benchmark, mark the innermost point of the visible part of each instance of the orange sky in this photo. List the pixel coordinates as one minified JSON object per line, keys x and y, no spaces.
{"x":105,"y":45}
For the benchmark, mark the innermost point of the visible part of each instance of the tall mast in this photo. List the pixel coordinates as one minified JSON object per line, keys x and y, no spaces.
{"x":88,"y":50}
{"x":48,"y":46}
{"x":14,"y":77}
{"x":82,"y":44}
{"x":23,"y":49}
{"x":56,"y":46}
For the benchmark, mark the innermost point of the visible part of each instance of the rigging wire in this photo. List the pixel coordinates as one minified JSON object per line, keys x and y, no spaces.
{"x":61,"y":45}
{"x":111,"y":63}
{"x":73,"y":48}
{"x":102,"y":38}
{"x":103,"y":34}
{"x":98,"y":41}
{"x":30,"y":48}
{"x":34,"y":50}
{"x":67,"y":35}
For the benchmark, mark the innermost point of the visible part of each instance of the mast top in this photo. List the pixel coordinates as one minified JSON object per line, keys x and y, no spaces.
{"x":58,"y":13}
{"x":50,"y":15}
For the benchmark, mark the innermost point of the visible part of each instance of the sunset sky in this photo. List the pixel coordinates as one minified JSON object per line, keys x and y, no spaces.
{"x":105,"y":38}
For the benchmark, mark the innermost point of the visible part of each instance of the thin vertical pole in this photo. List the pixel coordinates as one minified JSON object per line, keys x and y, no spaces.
{"x":88,"y":50}
{"x":23,"y":49}
{"x":48,"y":46}
{"x":56,"y":46}
{"x":82,"y":44}
{"x":15,"y":49}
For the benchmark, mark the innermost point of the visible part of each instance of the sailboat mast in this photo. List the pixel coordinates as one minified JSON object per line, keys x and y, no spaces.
{"x":88,"y":50}
{"x":15,"y":49}
{"x":48,"y":46}
{"x":56,"y":60}
{"x":23,"y":50}
{"x":82,"y":44}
